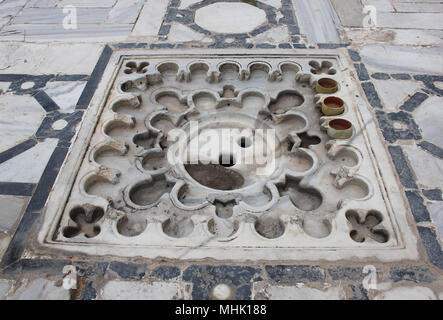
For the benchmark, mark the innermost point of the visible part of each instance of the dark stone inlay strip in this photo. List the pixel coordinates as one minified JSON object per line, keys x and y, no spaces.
{"x":401,"y":76}
{"x":362,"y":73}
{"x":285,"y":46}
{"x":402,"y":167}
{"x":12,"y":77}
{"x":414,"y":101}
{"x":259,"y":30}
{"x":39,"y":83}
{"x":419,"y":210}
{"x":380,"y":76}
{"x":40,"y":266}
{"x":89,"y":292}
{"x":430,"y":242}
{"x":96,"y":76}
{"x":289,"y":18}
{"x":127,"y":270}
{"x":332,"y":45}
{"x":36,"y":204}
{"x":162,"y":46}
{"x":205,"y":277}
{"x":409,"y":130}
{"x":432,"y":148}
{"x":166,"y":272}
{"x":433,"y":194}
{"x":72,"y":77}
{"x":355,"y":56}
{"x":347,"y":273}
{"x":197,"y":28}
{"x":372,"y":95}
{"x":65,"y":134}
{"x":358,"y":292}
{"x":16,"y":150}
{"x":45,"y":101}
{"x":265,"y":46}
{"x":130,"y":45}
{"x":428,"y":81}
{"x":414,"y":274}
{"x":288,"y":273}
{"x":164,"y":29}
{"x":17,"y":188}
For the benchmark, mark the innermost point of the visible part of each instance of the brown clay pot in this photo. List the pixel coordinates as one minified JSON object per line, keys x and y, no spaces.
{"x":326,"y":85}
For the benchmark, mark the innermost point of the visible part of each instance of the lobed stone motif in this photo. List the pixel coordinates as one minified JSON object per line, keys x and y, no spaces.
{"x":135,"y":193}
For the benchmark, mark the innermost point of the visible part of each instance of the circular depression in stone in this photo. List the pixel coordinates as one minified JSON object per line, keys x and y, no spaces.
{"x":227,"y":151}
{"x":340,"y":124}
{"x":230,"y":17}
{"x":334,"y":102}
{"x":327,"y":83}
{"x":215,"y":176}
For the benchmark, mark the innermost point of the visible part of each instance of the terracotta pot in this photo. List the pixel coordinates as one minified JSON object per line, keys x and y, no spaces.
{"x":332,"y":106}
{"x":326,"y":85}
{"x":339,"y":129}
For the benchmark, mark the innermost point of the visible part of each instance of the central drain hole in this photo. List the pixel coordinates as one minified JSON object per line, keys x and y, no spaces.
{"x":245,"y":142}
{"x":215,"y":176}
{"x":226,"y":160}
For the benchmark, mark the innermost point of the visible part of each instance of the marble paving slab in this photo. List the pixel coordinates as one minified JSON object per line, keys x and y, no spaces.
{"x":85,"y":32}
{"x":125,"y":11}
{"x":28,"y":166}
{"x":317,"y":19}
{"x":433,"y":21}
{"x":37,"y":58}
{"x":56,"y":15}
{"x":21,"y":116}
{"x":65,"y":93}
{"x":403,"y":59}
{"x":393,"y":92}
{"x":87,"y":3}
{"x":11,"y":208}
{"x":150,"y":19}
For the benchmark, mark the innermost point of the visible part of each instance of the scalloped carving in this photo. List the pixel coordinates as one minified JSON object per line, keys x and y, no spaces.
{"x":224,"y":153}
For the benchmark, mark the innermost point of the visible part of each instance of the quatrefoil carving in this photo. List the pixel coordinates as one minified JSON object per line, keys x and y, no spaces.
{"x":323,"y":67}
{"x":85,"y":221}
{"x":133,"y":67}
{"x":370,"y":227}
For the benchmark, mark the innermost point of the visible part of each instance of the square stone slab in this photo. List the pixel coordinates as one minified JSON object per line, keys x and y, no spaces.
{"x":227,"y":155}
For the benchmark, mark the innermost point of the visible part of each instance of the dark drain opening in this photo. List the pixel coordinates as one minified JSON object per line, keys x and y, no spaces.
{"x":245,"y":142}
{"x":226,"y":160}
{"x":215,"y":176}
